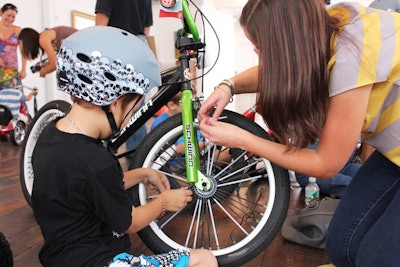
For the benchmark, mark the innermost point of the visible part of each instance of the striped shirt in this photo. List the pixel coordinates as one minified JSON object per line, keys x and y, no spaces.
{"x":367,"y":51}
{"x":12,"y":98}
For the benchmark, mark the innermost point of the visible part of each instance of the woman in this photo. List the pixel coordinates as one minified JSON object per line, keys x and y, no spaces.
{"x":9,"y":43}
{"x":327,"y":74}
{"x":33,"y":44}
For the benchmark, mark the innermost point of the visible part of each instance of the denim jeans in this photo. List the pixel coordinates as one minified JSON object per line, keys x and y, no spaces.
{"x":335,"y":186}
{"x":365,"y":229}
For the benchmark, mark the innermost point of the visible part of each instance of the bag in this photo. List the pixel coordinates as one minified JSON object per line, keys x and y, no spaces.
{"x":310,"y":226}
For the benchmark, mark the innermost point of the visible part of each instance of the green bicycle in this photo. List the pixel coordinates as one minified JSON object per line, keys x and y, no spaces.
{"x":240,"y":200}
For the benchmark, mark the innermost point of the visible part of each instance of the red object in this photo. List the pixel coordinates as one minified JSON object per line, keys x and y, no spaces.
{"x":161,"y":110}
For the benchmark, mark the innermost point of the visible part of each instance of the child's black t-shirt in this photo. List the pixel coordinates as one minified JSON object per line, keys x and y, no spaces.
{"x":78,"y":200}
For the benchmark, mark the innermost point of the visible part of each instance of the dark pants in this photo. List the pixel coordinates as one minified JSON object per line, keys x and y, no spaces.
{"x":365,"y":229}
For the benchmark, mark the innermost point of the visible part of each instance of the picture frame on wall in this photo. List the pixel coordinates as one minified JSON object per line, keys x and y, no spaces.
{"x":81,"y":20}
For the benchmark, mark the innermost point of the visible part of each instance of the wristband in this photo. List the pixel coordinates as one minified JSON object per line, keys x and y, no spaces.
{"x":226,"y":92}
{"x":162,"y":206}
{"x":230,"y":84}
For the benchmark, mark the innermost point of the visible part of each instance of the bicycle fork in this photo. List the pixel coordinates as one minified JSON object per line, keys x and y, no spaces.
{"x":192,"y":154}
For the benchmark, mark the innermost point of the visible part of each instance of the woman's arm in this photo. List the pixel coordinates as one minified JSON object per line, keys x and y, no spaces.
{"x":45,"y":41}
{"x":337,"y":141}
{"x":245,"y":82}
{"x":22,"y":72}
{"x":101,"y":19}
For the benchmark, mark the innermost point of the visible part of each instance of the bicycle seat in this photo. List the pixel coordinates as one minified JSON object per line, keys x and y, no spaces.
{"x":5,"y":115}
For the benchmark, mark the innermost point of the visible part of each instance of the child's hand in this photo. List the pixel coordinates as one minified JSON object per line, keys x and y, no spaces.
{"x":156,"y":181}
{"x":176,"y":199}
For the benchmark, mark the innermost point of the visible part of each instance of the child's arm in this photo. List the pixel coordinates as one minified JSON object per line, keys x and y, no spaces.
{"x":30,"y":95}
{"x":152,"y":178}
{"x":169,"y":200}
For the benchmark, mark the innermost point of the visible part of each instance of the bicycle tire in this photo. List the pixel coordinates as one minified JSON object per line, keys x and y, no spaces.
{"x":258,"y":204}
{"x":45,"y":114}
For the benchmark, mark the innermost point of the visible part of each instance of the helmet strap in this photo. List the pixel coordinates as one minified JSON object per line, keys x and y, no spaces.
{"x":111,"y":120}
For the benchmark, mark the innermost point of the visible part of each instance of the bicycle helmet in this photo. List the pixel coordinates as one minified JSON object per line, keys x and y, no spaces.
{"x":101,"y":63}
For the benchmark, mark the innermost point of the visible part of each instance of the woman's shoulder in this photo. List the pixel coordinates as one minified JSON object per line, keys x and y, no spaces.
{"x":17,"y":29}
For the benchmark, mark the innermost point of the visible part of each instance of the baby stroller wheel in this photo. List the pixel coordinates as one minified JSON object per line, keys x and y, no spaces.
{"x":17,"y":135}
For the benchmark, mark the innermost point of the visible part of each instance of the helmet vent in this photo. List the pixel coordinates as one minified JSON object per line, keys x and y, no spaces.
{"x":84,"y":58}
{"x":110,"y":76}
{"x":85,"y":79}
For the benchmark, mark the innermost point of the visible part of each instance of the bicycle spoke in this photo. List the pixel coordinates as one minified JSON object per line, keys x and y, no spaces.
{"x":240,"y":181}
{"x":230,"y":165}
{"x":230,"y":216}
{"x":213,"y":224}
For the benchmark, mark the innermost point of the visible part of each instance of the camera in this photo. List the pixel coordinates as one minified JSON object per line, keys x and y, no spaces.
{"x":36,"y":68}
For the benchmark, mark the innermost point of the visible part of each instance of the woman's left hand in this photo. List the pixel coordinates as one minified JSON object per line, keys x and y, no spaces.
{"x":221,"y":133}
{"x":22,"y":74}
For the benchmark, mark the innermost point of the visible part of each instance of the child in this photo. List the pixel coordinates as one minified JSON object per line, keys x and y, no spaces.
{"x":12,"y":98}
{"x":79,"y":197}
{"x":172,"y":107}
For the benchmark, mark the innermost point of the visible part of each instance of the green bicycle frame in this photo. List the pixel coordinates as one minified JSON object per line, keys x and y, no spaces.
{"x":192,"y":155}
{"x":190,"y":21}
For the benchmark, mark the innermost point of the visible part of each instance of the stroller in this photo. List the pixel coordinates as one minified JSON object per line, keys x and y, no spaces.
{"x":14,"y":126}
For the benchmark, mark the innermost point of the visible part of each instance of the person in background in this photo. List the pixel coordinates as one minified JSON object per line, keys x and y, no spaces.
{"x":12,"y":98}
{"x":44,"y":45}
{"x":78,"y":197}
{"x":335,"y":186}
{"x":173,"y":107}
{"x":331,"y":80}
{"x":9,"y":44}
{"x":135,"y":17}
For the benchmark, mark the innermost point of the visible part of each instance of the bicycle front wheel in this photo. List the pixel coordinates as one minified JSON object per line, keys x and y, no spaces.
{"x":46,"y":114}
{"x":240,"y":212}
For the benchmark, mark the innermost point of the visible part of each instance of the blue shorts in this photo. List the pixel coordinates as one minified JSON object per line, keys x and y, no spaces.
{"x":174,"y":258}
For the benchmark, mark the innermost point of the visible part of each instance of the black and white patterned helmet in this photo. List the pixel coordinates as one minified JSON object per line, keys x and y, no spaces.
{"x":101,"y":63}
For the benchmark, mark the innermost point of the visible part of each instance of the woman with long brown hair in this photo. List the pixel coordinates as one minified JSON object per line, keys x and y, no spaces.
{"x":44,"y":45}
{"x":326,"y":73}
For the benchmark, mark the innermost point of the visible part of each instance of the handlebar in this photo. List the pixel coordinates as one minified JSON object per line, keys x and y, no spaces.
{"x":20,"y":87}
{"x":190,"y":21}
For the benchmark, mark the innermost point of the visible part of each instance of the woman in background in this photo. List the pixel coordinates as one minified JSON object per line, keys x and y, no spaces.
{"x":9,"y":43}
{"x":47,"y":43}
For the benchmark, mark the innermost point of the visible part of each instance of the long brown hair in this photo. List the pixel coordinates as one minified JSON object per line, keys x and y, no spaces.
{"x":30,"y":43}
{"x":293,"y":39}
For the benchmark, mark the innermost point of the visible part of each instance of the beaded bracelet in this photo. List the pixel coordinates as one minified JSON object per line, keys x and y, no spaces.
{"x":162,"y":206}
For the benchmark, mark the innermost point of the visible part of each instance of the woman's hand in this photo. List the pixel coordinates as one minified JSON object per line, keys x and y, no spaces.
{"x":22,"y":74}
{"x":224,"y":134}
{"x":218,"y":100}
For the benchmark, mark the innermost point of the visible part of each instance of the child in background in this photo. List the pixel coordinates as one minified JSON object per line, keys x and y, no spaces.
{"x":173,"y":107}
